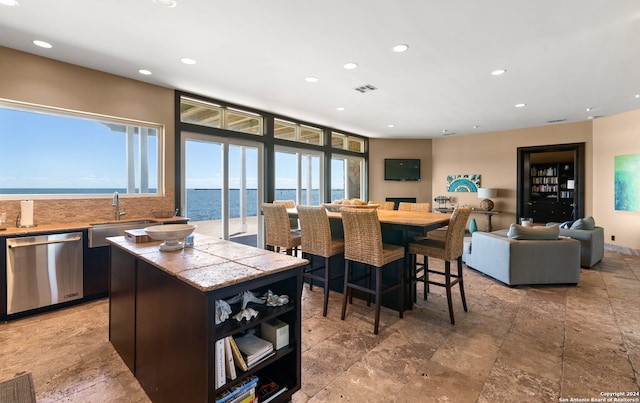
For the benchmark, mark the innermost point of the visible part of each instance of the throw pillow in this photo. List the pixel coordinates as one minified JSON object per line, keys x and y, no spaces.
{"x":587,"y":223}
{"x":519,"y":232}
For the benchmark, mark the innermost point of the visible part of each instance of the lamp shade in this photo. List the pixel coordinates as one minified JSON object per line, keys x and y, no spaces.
{"x":486,"y":193}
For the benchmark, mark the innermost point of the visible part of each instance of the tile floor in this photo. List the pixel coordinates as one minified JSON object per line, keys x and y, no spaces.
{"x":524,"y":344}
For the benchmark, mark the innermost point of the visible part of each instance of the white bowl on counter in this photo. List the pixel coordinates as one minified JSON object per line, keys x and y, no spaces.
{"x":171,"y":234}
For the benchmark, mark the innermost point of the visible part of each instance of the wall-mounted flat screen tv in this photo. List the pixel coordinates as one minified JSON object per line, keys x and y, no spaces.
{"x":401,"y":169}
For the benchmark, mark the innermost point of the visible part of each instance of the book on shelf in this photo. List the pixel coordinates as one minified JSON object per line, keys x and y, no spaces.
{"x":269,"y":389}
{"x":230,"y":395}
{"x":220,"y":373}
{"x":253,"y":347}
{"x":230,"y":367}
{"x":237,"y":356}
{"x":260,"y":359}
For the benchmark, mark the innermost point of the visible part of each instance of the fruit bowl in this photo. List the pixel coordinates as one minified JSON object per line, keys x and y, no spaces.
{"x":171,"y":234}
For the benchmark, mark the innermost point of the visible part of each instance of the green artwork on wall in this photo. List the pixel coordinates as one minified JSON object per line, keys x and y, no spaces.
{"x":627,"y":182}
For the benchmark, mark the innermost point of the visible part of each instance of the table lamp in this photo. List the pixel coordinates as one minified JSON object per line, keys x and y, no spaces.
{"x":486,"y":194}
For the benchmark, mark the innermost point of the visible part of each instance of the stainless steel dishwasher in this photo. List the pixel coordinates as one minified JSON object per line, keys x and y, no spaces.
{"x":43,"y":270}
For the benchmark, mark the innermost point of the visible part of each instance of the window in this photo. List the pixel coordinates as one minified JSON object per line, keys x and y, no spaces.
{"x":345,"y":142}
{"x":347,"y":178}
{"x":295,"y":132}
{"x":51,"y":151}
{"x":212,"y":115}
{"x":298,"y":176}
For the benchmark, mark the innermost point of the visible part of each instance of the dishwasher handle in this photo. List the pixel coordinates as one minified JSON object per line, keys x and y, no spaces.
{"x":22,"y":245}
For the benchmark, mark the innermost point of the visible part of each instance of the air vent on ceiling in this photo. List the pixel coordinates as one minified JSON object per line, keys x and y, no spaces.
{"x":448,"y":133}
{"x":557,"y":120}
{"x":365,"y":88}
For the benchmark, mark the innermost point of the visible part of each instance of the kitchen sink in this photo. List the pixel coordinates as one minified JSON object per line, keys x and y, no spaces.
{"x":99,"y":232}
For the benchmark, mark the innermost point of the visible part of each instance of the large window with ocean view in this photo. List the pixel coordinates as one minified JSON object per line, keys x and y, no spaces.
{"x":347,"y":179}
{"x":298,"y":176}
{"x":47,"y":151}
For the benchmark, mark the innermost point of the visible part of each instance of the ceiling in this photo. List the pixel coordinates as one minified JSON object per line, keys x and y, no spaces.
{"x":561,"y":56}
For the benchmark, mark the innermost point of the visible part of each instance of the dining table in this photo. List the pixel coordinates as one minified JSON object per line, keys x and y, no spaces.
{"x":398,"y":228}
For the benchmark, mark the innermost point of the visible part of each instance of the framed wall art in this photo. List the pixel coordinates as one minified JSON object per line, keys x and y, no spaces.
{"x":463,"y":183}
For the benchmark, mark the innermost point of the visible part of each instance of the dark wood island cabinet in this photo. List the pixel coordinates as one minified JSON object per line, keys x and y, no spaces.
{"x":162,"y":314}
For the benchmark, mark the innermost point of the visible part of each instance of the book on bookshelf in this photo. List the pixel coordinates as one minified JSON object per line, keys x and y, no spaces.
{"x":230,"y":367}
{"x":229,"y":395}
{"x":237,"y":356}
{"x":257,"y":361}
{"x":220,"y":374}
{"x":253,"y":347}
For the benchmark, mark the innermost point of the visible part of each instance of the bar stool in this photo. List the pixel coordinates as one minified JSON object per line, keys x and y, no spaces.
{"x":363,"y":243}
{"x":384,"y":205}
{"x":289,"y":204}
{"x":448,"y":249}
{"x":317,"y":241}
{"x":279,"y":233}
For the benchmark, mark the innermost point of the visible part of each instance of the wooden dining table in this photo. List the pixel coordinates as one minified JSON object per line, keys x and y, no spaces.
{"x":398,"y":228}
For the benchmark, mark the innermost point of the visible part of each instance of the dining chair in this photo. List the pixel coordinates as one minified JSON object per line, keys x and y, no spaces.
{"x":409,"y":206}
{"x":293,"y":222}
{"x":317,"y":241}
{"x":279,"y":232}
{"x":448,"y":249}
{"x":363,"y":244}
{"x":384,"y":205}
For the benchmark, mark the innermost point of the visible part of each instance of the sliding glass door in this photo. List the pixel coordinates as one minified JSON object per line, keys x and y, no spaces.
{"x":299,"y":176}
{"x":222,"y":187}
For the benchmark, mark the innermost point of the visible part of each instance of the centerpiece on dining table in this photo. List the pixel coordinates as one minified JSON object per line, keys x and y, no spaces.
{"x":336,"y":205}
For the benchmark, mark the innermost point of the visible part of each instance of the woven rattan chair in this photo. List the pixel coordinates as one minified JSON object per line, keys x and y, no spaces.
{"x":363,"y":244}
{"x":279,"y":233}
{"x":317,"y":241}
{"x":448,"y":249}
{"x":407,"y":206}
{"x":384,"y":205}
{"x":293,"y":222}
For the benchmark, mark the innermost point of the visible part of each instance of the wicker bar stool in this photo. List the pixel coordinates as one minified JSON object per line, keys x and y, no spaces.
{"x":384,"y":205}
{"x":363,"y":243}
{"x":407,"y":206}
{"x":279,"y":233}
{"x":293,"y":222}
{"x":317,"y":241}
{"x":448,"y":249}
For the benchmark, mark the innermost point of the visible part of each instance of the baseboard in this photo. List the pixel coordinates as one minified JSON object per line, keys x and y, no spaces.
{"x":622,"y":249}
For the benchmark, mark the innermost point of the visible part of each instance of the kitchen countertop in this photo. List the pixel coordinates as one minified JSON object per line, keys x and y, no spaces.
{"x":211,"y":263}
{"x":76,"y":226}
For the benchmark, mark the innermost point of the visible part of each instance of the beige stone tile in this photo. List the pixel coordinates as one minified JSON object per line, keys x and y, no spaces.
{"x":520,"y":355}
{"x":507,"y":384}
{"x":472,"y":357}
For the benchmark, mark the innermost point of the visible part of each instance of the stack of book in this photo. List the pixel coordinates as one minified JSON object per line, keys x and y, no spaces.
{"x":242,"y":392}
{"x":254,"y":349}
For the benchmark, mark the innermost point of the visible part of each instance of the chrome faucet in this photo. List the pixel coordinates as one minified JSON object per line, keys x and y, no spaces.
{"x":116,"y":203}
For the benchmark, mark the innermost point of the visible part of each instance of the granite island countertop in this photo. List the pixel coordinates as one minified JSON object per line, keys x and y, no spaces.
{"x":211,"y":263}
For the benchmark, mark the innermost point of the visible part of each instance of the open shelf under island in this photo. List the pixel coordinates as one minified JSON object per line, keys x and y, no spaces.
{"x":162,"y":313}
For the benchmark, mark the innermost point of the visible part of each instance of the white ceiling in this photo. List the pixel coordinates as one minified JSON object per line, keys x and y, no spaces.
{"x":561,"y":56}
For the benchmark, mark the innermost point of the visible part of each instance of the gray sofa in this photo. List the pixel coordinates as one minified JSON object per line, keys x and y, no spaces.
{"x":520,"y":262}
{"x":591,"y":240}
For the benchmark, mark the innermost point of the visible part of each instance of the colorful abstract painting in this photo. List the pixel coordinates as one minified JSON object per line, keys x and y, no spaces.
{"x":627,"y":182}
{"x":463,"y":183}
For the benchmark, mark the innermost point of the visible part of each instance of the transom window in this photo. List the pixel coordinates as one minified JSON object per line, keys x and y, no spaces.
{"x":52,"y":151}
{"x":346,"y":142}
{"x":296,"y":132}
{"x":212,"y":115}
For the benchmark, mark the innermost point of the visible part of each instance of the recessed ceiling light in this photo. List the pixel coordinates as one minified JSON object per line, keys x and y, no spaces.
{"x":166,"y":3}
{"x":498,"y":72}
{"x":391,"y":125}
{"x":350,"y":66}
{"x":311,"y":79}
{"x":520,"y":105}
{"x":144,"y":72}
{"x":400,"y":48}
{"x":340,"y":108}
{"x":42,"y":44}
{"x":475,"y":126}
{"x":589,"y":109}
{"x":637,"y":95}
{"x":9,"y":2}
{"x":187,"y":60}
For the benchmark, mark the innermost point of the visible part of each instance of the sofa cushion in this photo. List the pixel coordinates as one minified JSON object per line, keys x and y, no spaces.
{"x":587,"y":223}
{"x":519,"y":232}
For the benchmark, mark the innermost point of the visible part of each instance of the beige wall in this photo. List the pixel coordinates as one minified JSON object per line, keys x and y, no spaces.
{"x":34,"y":79}
{"x":612,"y":136}
{"x":379,"y":189}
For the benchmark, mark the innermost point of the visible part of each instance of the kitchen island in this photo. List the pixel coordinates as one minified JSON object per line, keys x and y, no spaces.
{"x":162,"y":313}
